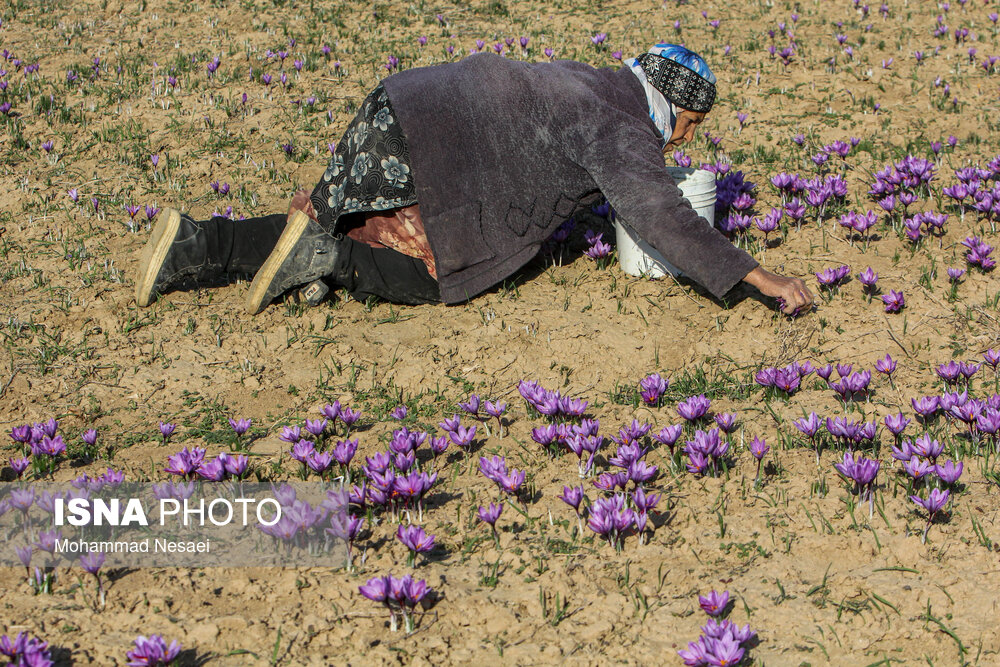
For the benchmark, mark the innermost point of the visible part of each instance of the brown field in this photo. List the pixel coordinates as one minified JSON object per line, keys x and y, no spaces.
{"x":820,"y":585}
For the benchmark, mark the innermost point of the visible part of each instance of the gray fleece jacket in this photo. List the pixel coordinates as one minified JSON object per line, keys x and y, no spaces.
{"x":502,"y":152}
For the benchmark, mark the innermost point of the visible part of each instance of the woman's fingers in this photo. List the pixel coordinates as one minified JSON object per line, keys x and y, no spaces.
{"x":797,"y":297}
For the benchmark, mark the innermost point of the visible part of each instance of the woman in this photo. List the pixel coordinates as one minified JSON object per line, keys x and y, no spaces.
{"x":452,"y":176}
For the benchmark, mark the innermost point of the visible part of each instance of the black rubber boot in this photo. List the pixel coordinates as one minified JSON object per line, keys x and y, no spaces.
{"x":177,"y":252}
{"x":304,"y":253}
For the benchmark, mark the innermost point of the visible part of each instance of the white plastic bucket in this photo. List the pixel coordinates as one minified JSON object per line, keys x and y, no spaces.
{"x":638,"y":258}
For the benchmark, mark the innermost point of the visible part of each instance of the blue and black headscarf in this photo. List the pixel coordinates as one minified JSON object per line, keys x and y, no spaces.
{"x":674,"y":78}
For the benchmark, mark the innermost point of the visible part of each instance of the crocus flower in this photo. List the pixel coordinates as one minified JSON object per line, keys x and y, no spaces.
{"x":886,"y":366}
{"x":463,"y":436}
{"x":331,"y":411}
{"x":694,"y":407}
{"x":349,"y":417}
{"x":375,"y":589}
{"x":240,"y":426}
{"x":19,"y":465}
{"x":696,"y":654}
{"x":669,"y":435}
{"x":893,"y":301}
{"x":949,"y":472}
{"x":896,"y":423}
{"x":917,"y":468}
{"x":89,"y":437}
{"x":495,"y":409}
{"x":344,"y":451}
{"x":450,"y":424}
{"x":925,"y":406}
{"x":726,"y":422}
{"x":598,"y":251}
{"x":26,"y":651}
{"x":302,"y":450}
{"x":166,"y":430}
{"x":572,"y":496}
{"x":808,"y":426}
{"x":415,"y":539}
{"x":489,"y":514}
{"x":868,"y":278}
{"x":92,"y":562}
{"x":934,"y":503}
{"x":759,"y":448}
{"x":319,"y":461}
{"x":316,"y":426}
{"x":151,"y":651}
{"x":714,"y":604}
{"x":471,"y":406}
{"x":644,"y":502}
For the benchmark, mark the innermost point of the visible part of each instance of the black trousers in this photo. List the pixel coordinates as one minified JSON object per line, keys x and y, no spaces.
{"x":242,"y":246}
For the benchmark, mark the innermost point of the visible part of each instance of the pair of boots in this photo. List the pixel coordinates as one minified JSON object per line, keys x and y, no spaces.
{"x":178,"y":252}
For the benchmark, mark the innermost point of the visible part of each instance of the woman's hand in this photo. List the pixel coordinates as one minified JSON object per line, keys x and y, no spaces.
{"x":793,"y":294}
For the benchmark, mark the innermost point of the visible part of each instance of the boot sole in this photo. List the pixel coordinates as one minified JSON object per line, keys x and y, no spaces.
{"x":296,"y":225}
{"x":163,"y":235}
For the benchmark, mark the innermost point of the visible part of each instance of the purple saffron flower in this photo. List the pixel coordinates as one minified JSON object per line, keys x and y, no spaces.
{"x":759,"y":448}
{"x":240,"y":426}
{"x":896,"y":423}
{"x":868,"y":278}
{"x":925,"y":406}
{"x":714,"y":604}
{"x":669,"y":435}
{"x":213,"y":471}
{"x":572,"y":496}
{"x":934,"y":502}
{"x":471,"y":406}
{"x":415,"y":539}
{"x":319,"y":461}
{"x":290,"y":434}
{"x":349,"y":417}
{"x":726,"y":422}
{"x":167,"y":430}
{"x":697,"y":653}
{"x":302,"y":450}
{"x":495,"y":410}
{"x":185,"y":463}
{"x":490,"y":514}
{"x":694,"y":408}
{"x":641,"y":472}
{"x":463,"y":436}
{"x":92,"y":562}
{"x":19,"y":465}
{"x":949,"y":472}
{"x":653,"y":387}
{"x":316,"y":427}
{"x":917,"y":468}
{"x":510,"y":482}
{"x":152,"y":651}
{"x":375,"y":589}
{"x":808,"y":426}
{"x":894,"y":301}
{"x":886,"y":366}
